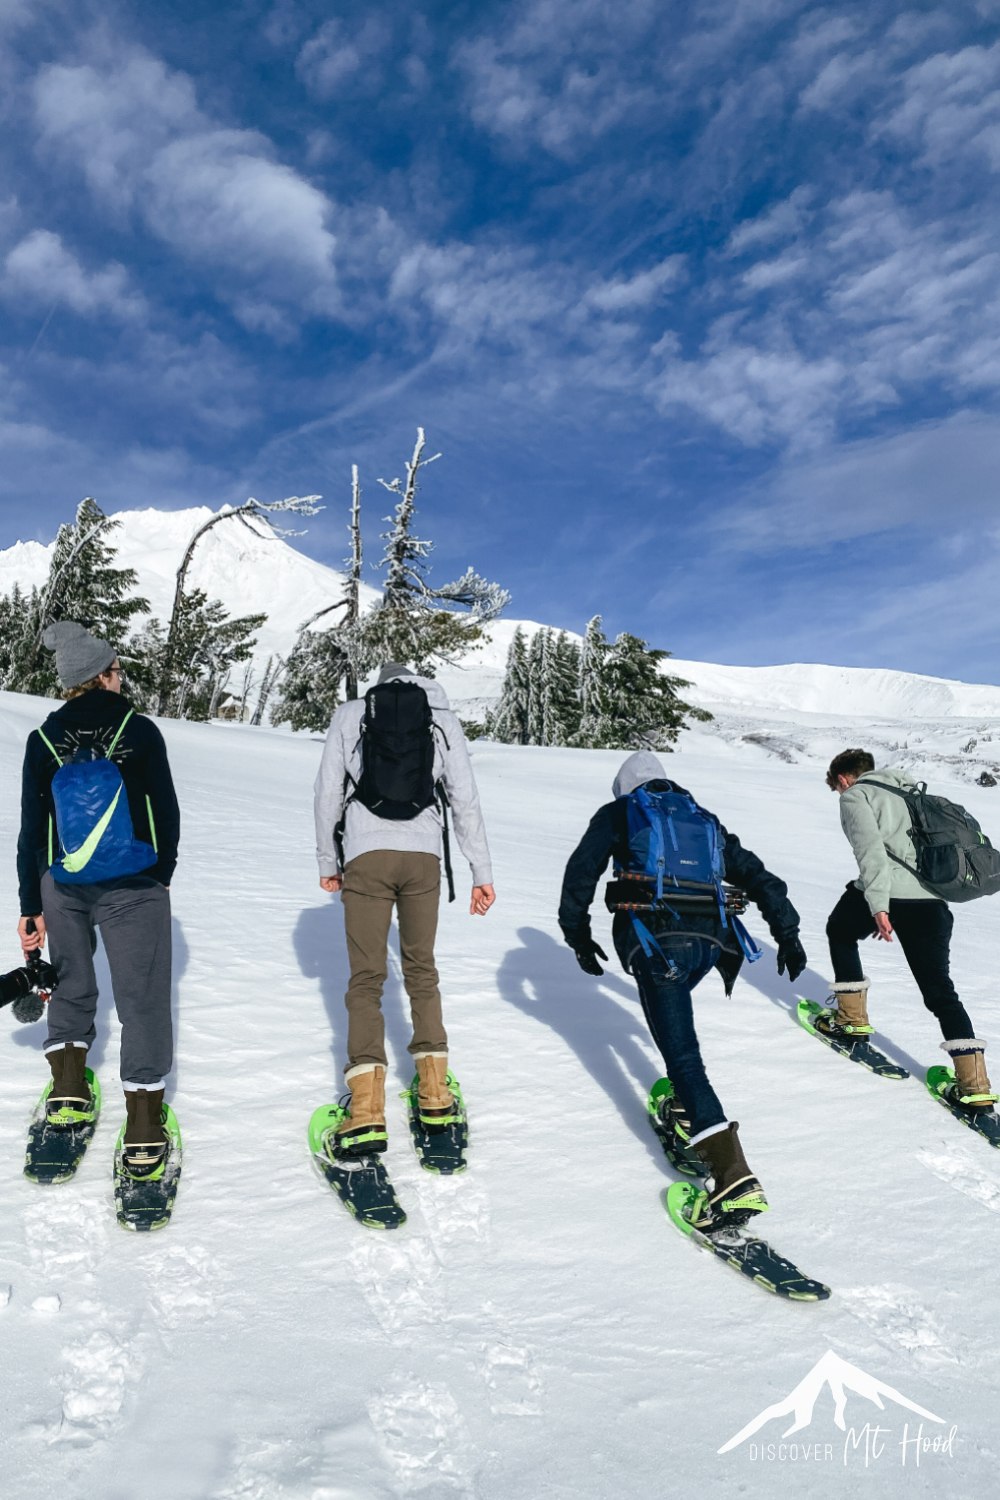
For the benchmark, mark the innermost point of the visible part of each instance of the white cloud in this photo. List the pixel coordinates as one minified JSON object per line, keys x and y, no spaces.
{"x":41,"y":269}
{"x":940,"y":475}
{"x":218,"y":197}
{"x":780,"y":221}
{"x":338,"y":53}
{"x":951,"y":106}
{"x":631,"y":293}
{"x":559,"y":74}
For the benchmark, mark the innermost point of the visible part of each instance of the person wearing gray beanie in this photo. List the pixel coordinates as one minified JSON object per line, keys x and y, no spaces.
{"x":97,"y":850}
{"x":80,"y":656}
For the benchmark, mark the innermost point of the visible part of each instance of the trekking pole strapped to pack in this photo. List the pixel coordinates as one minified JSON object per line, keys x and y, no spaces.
{"x":675,"y":852}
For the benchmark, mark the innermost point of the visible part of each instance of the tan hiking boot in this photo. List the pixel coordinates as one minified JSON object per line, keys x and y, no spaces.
{"x":435,"y":1100}
{"x":144,"y":1149}
{"x":735,"y":1194}
{"x":70,"y":1102}
{"x":850,"y":1019}
{"x":362,"y":1130}
{"x":971,"y":1089}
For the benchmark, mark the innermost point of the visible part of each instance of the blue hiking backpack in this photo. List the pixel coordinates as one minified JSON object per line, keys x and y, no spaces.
{"x":674,"y":845}
{"x":93,"y":821}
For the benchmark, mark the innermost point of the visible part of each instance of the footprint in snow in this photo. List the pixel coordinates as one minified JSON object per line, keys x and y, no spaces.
{"x":400,"y":1282}
{"x":457,"y":1214}
{"x":182,"y":1287}
{"x":962,"y":1172}
{"x":424,"y":1438}
{"x":897,"y":1317}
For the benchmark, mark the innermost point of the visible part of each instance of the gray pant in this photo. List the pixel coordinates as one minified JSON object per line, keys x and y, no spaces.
{"x":134,"y":918}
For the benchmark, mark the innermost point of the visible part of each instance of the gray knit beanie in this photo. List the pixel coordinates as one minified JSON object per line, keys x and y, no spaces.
{"x":79,"y":655}
{"x":394,"y":669}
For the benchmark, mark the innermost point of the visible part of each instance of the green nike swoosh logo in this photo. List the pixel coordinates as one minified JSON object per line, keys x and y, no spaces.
{"x":78,"y":859}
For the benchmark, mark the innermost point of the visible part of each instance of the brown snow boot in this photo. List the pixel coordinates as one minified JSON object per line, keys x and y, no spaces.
{"x":971,"y":1088}
{"x":144,"y":1149}
{"x":734,"y":1195}
{"x":362,"y":1130}
{"x":70,"y":1102}
{"x":849,"y":1021}
{"x":435,"y":1100}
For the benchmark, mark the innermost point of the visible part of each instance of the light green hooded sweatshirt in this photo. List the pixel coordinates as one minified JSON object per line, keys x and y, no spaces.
{"x":877,"y":824}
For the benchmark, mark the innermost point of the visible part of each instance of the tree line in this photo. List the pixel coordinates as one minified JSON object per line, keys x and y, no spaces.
{"x":601,"y":694}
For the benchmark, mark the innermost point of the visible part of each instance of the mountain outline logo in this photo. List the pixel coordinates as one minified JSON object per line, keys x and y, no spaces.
{"x":840,"y":1377}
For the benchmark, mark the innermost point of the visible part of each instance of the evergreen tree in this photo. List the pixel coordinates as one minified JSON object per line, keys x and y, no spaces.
{"x":635,"y":706}
{"x":309,"y":689}
{"x":561,"y":706}
{"x":17,"y":614}
{"x":592,"y":654}
{"x":414,"y":623}
{"x":83,"y":584}
{"x":207,"y":644}
{"x":539,"y":658}
{"x":508,"y":722}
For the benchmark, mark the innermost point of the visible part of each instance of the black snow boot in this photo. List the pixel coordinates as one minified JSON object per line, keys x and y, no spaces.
{"x":70,"y":1102}
{"x":734,"y":1194}
{"x":144,"y":1149}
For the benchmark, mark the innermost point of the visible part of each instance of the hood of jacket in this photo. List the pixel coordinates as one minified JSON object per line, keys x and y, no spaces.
{"x":641,"y":767}
{"x":890,"y":777}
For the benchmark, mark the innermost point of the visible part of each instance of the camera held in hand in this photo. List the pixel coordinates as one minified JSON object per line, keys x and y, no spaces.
{"x":28,"y":988}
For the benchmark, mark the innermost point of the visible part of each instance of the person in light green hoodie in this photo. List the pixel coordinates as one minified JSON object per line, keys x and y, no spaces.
{"x":888,"y":900}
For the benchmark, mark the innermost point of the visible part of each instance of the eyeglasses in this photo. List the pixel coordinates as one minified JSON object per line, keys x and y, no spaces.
{"x":116,"y":670}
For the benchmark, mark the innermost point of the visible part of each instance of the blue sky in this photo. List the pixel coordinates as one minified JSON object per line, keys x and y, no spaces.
{"x":699,"y":302}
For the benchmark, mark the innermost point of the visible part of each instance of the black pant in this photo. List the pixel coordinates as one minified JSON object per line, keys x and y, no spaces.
{"x":924,"y":932}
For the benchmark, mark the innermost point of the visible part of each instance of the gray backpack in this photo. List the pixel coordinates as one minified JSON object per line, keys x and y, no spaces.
{"x":952,"y":856}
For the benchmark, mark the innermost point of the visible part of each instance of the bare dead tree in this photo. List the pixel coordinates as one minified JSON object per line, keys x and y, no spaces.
{"x":250,"y":510}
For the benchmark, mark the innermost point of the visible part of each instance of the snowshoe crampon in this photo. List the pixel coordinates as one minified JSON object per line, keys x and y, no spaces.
{"x":985,"y":1122}
{"x":744,"y":1251}
{"x":56,"y":1148}
{"x":440,"y":1147}
{"x":858,"y":1049}
{"x":360,"y":1182}
{"x":681,"y":1156}
{"x":146,"y":1202}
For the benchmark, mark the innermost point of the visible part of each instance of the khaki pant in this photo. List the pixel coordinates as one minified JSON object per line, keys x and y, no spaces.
{"x":373,"y":884}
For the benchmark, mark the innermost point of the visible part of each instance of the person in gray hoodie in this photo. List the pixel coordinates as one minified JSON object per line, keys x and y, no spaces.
{"x":668,"y":954}
{"x":888,"y":899}
{"x":383,"y":863}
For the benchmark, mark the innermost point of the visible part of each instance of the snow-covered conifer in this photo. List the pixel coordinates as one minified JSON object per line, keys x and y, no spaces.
{"x":509,"y":720}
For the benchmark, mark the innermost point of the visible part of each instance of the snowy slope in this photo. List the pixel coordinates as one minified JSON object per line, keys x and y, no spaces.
{"x":253,"y":573}
{"x":537,"y":1329}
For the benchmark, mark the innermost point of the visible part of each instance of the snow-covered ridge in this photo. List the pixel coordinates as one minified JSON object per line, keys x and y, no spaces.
{"x":253,"y":573}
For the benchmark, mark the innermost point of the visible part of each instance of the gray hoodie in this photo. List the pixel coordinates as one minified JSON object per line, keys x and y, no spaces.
{"x":364,"y":831}
{"x":641,"y":767}
{"x":877,"y":823}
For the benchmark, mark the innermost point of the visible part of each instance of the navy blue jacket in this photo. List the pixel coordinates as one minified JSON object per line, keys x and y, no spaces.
{"x":607,"y":836}
{"x":92,"y":721}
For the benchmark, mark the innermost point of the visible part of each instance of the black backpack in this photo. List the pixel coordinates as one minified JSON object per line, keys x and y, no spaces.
{"x":397,"y":761}
{"x":953,"y":858}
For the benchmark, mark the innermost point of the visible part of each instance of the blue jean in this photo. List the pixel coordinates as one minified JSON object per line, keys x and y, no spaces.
{"x":666,"y":980}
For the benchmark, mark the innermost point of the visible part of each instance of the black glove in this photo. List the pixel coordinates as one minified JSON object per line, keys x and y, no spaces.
{"x":791,"y":956}
{"x":587,"y":953}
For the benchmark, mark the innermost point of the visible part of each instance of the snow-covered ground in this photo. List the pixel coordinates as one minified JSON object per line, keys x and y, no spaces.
{"x":538,"y":1328}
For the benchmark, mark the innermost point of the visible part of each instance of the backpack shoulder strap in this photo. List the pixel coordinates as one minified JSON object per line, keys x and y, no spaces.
{"x":47,"y":742}
{"x":121,"y":729}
